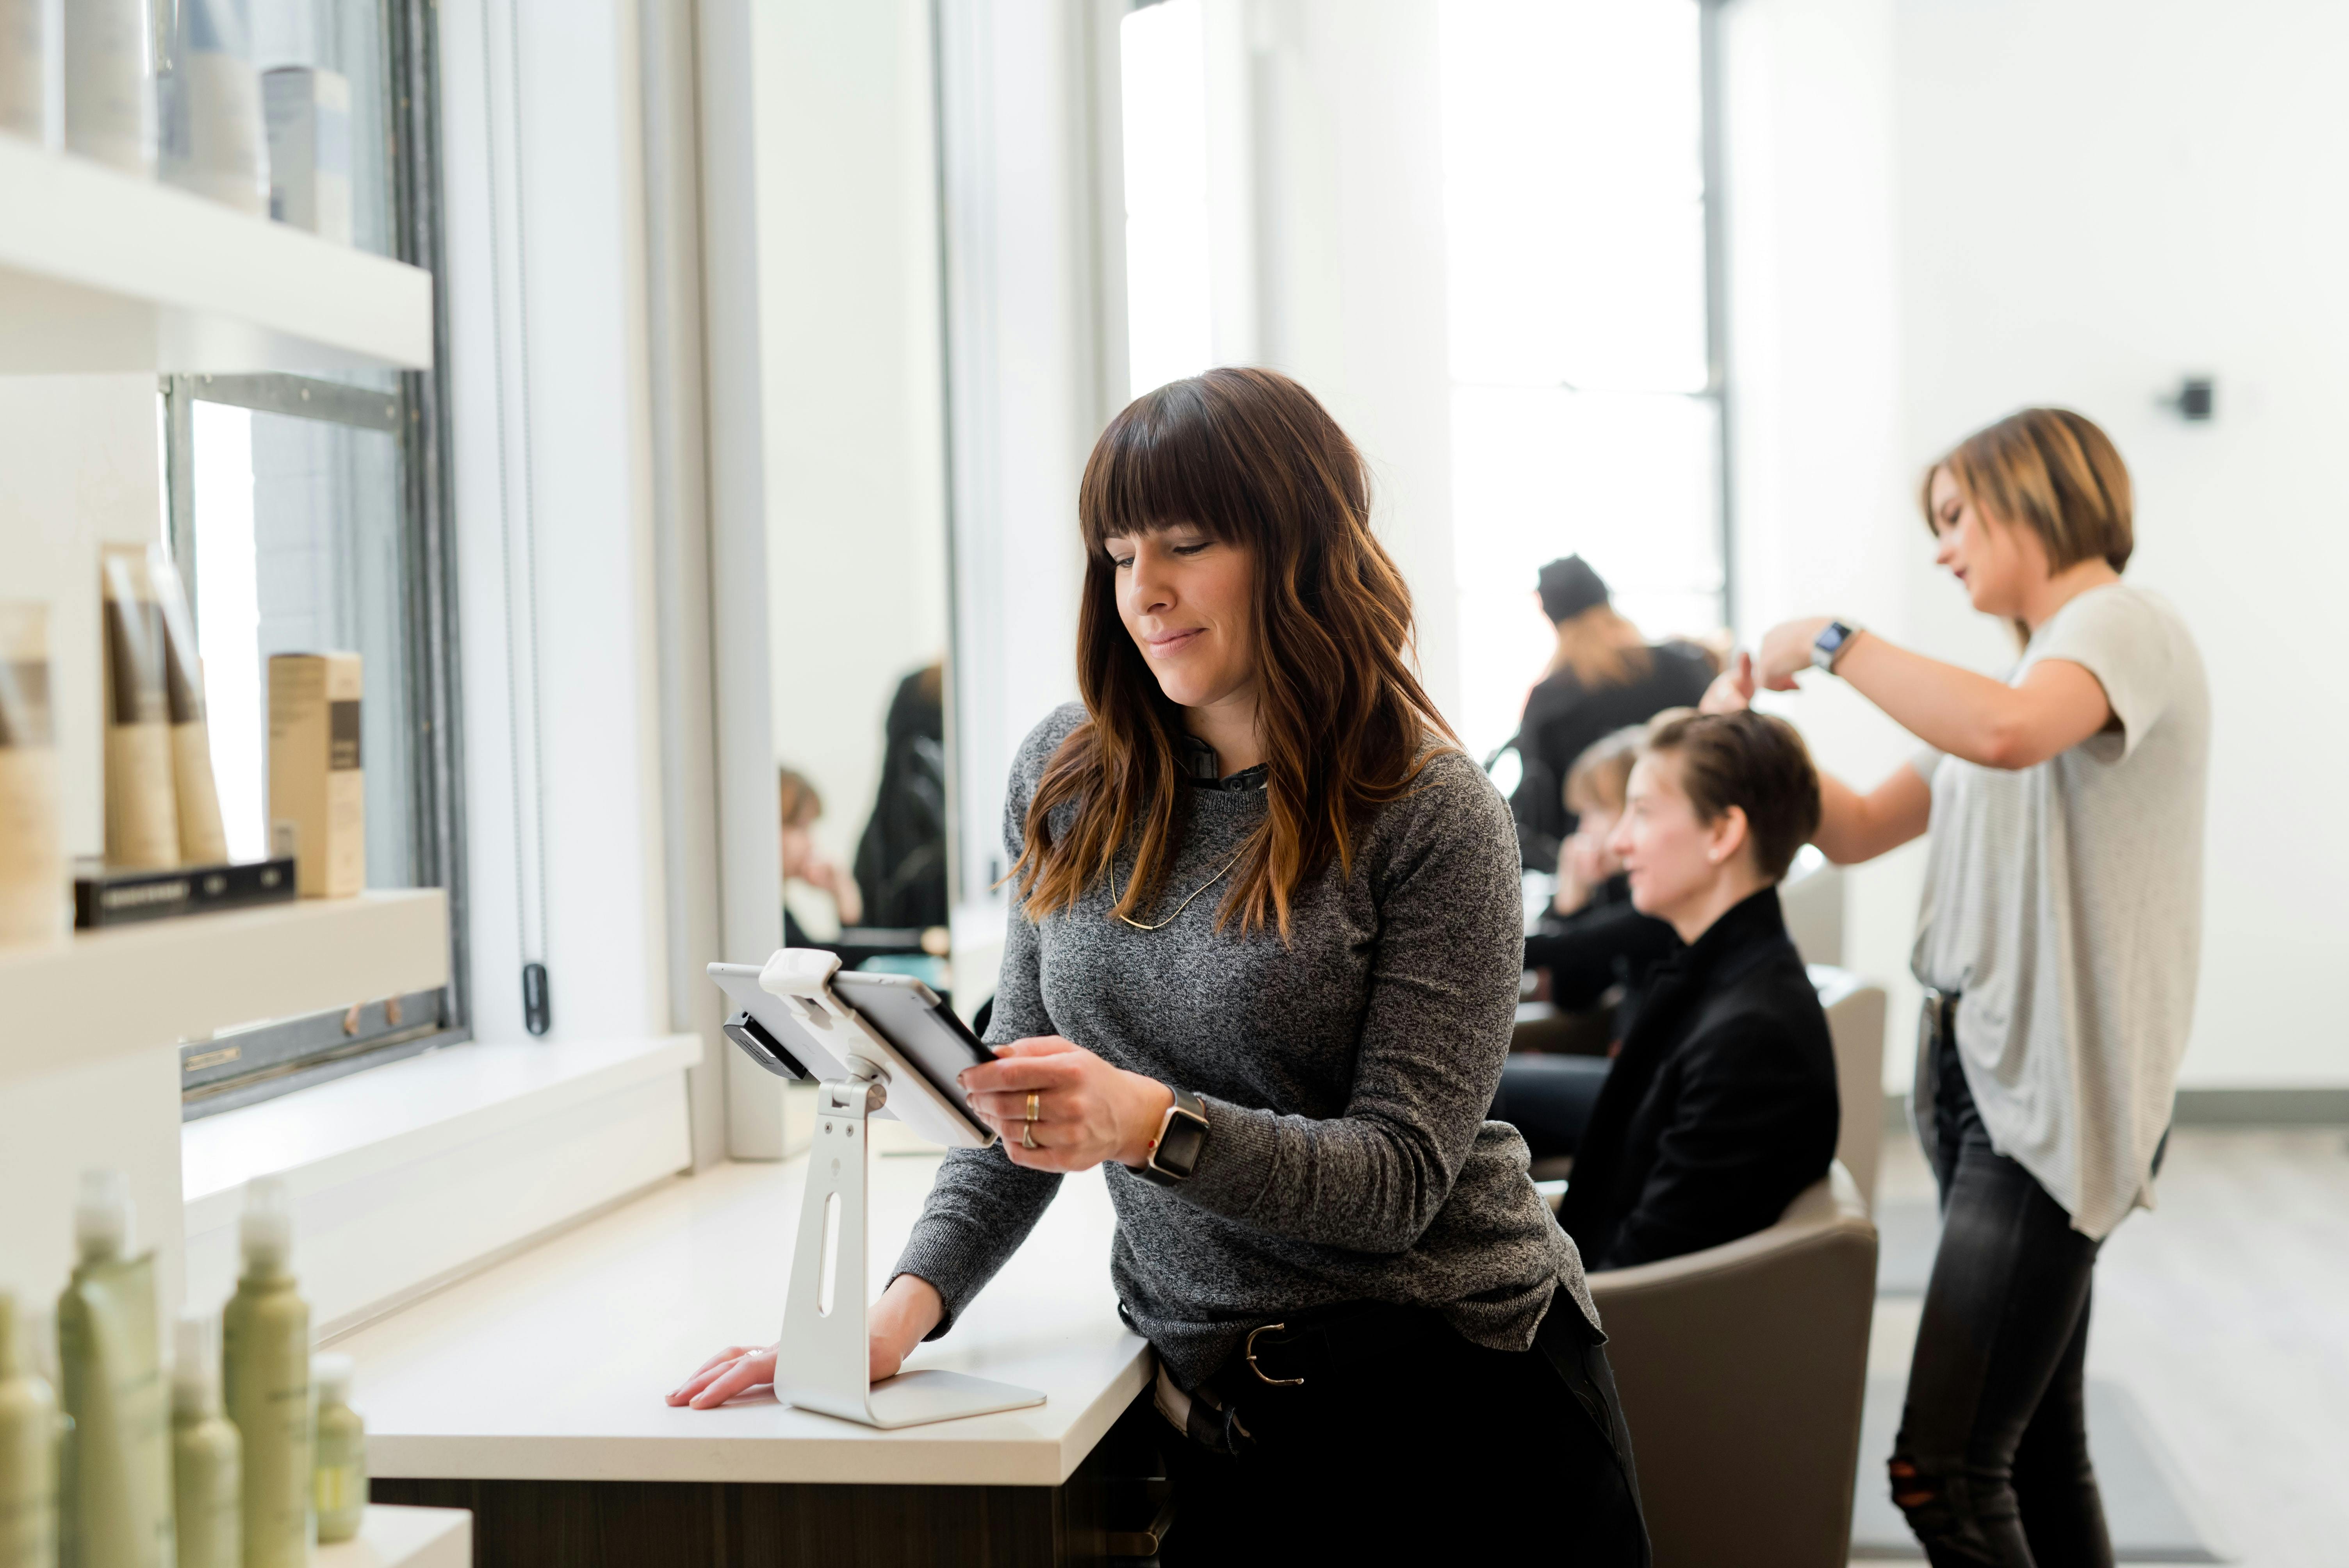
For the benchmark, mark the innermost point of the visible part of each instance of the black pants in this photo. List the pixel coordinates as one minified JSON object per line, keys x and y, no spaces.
{"x":1991,"y":1465}
{"x":1497,"y":1456}
{"x":1548,"y":1098}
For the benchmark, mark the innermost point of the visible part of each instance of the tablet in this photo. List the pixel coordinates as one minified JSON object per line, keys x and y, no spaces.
{"x":921,"y":1040}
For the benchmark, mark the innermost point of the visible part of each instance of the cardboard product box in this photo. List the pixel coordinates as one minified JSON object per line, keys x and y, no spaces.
{"x":317,"y":793}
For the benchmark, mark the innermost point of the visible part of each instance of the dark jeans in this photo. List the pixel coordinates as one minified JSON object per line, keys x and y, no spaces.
{"x":1549,"y":1100}
{"x":1991,"y":1465}
{"x":1510,"y":1456}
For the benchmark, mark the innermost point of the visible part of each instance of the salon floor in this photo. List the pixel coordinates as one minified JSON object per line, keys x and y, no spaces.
{"x":2225,"y":1312}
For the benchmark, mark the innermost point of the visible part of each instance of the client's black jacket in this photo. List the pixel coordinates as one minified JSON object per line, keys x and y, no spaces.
{"x":1720,"y":1107}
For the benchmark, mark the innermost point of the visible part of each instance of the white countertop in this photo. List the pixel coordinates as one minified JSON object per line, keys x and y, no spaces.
{"x":395,"y":1537}
{"x":554,"y":1364}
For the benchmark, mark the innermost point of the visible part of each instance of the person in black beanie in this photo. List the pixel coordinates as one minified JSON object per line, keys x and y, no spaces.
{"x":1603,"y":676}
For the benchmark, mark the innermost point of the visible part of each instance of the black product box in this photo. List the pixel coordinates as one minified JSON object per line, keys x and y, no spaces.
{"x":107,"y":897}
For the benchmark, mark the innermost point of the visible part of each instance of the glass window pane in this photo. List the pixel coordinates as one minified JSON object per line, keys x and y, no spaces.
{"x":1170,"y":316}
{"x":1574,"y":192}
{"x":299,"y":550}
{"x":1628,"y":481}
{"x":348,"y":36}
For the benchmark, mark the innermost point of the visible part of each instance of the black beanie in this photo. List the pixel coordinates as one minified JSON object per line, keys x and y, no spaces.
{"x":1568,"y":587}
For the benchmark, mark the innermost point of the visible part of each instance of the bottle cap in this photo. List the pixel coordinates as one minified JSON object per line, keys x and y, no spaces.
{"x":330,"y":1370}
{"x":102,"y":1215}
{"x":266,"y":1230}
{"x":195,"y":1362}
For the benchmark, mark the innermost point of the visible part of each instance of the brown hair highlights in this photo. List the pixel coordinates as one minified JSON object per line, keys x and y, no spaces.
{"x":2052,"y":472}
{"x":1754,"y":761}
{"x":801,"y":803}
{"x":1250,"y":457}
{"x":1601,"y":648}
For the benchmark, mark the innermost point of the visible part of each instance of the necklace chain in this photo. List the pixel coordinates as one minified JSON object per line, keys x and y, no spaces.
{"x":1178,"y":908}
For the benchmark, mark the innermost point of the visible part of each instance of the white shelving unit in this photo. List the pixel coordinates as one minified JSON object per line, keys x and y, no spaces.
{"x":100,"y":271}
{"x":404,"y":1538}
{"x":105,"y":281}
{"x":172,"y":980}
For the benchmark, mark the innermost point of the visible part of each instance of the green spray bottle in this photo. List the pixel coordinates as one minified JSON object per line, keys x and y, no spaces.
{"x":266,"y":1335}
{"x":207,"y":1469}
{"x":118,"y":1498}
{"x":28,"y":1449}
{"x":342,"y":1452}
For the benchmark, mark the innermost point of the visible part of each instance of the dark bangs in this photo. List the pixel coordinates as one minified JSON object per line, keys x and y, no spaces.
{"x":1168,"y":459}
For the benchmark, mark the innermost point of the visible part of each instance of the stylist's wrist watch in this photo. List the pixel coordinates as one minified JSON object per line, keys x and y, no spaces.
{"x":1829,"y":644}
{"x":1182,"y":1135}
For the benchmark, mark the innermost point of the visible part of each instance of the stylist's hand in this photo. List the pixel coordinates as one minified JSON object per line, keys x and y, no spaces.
{"x":1786,"y":650}
{"x":1087,"y":1111}
{"x":904,"y":1315}
{"x":1732,"y":690}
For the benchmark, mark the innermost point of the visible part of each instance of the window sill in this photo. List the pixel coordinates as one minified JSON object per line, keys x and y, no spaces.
{"x":414,"y":1173}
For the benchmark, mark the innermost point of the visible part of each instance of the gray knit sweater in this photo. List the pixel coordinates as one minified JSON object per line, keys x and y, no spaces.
{"x":1346,"y":1077}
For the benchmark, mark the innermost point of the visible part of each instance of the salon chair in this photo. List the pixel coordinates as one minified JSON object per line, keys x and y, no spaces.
{"x":1854,"y":1010}
{"x":1741,"y":1369}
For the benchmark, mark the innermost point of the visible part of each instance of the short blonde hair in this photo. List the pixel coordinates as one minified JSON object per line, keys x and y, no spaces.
{"x":1601,"y":776}
{"x":2052,"y":472}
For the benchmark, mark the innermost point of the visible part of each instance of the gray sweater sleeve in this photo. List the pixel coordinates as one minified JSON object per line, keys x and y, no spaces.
{"x":982,"y":1206}
{"x":1444,"y":989}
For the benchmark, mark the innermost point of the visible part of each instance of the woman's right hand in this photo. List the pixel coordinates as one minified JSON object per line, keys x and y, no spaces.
{"x":1732,"y":690}
{"x":904,"y":1315}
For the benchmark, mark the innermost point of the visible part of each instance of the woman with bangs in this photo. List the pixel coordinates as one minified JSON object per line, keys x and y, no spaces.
{"x":1262,"y":966}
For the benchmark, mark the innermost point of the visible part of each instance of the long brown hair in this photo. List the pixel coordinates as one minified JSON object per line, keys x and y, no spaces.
{"x":1251,"y":459}
{"x":1601,"y":648}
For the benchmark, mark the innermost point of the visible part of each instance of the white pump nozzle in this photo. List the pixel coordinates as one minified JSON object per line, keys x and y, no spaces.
{"x":266,"y":1229}
{"x":330,"y":1371}
{"x":102,"y":1215}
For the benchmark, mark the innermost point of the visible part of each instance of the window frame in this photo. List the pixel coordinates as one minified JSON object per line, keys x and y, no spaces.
{"x":278,"y":1058}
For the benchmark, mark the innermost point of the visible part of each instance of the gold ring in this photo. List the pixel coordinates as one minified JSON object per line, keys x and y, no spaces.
{"x":1035,"y":1107}
{"x":1028,"y":1136}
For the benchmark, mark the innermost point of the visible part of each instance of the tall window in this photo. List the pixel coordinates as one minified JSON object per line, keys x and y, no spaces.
{"x":1169,"y":259}
{"x":306,"y":515}
{"x":1586,"y":395}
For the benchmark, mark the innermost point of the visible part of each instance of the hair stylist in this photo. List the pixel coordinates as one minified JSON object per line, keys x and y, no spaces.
{"x":2059,"y":941}
{"x":1262,"y":964}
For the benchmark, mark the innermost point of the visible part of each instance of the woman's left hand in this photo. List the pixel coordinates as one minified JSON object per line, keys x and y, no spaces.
{"x":1786,"y":650}
{"x":1087,"y":1113}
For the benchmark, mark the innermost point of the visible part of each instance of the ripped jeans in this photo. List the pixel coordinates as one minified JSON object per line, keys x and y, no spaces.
{"x":1992,"y":1465}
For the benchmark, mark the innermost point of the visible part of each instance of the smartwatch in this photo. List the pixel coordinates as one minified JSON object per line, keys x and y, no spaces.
{"x":1830,"y":643}
{"x":1182,"y":1135}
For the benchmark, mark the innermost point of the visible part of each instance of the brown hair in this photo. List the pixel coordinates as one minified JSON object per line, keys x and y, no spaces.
{"x":1251,"y":459}
{"x":1755,"y":761}
{"x":1602,"y":774}
{"x":801,"y":803}
{"x":2052,"y":472}
{"x":1601,"y":648}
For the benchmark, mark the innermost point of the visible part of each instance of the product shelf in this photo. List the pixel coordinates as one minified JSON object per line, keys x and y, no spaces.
{"x":158,"y":982}
{"x":100,"y":271}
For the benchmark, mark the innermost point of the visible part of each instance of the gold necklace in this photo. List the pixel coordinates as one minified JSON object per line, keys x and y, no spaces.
{"x":1178,"y":908}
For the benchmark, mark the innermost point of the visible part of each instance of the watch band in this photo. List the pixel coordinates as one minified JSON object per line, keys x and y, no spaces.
{"x":1829,"y":644}
{"x":1181,"y":1136}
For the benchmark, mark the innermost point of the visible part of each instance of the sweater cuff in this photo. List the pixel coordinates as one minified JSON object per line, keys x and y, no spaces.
{"x":941,"y":1252}
{"x":1237,"y":1164}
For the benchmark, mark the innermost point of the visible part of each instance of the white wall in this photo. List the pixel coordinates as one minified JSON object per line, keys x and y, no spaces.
{"x":2086,"y":199}
{"x":854,"y":426}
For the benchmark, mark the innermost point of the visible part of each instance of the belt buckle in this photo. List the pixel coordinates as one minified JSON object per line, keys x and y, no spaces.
{"x":1261,"y":1374}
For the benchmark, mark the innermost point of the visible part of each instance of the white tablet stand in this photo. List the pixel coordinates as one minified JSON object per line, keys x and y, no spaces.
{"x":821,"y":1362}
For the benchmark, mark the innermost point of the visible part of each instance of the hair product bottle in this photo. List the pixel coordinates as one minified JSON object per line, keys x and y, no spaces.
{"x":213,"y":136}
{"x":110,"y":83}
{"x":32,"y":859}
{"x":308,"y":112}
{"x":207,"y":1469}
{"x":265,"y":1334}
{"x":143,"y":811}
{"x":28,"y":1449}
{"x":202,"y":841}
{"x":342,"y":1452}
{"x":24,"y":36}
{"x":120,"y":1505}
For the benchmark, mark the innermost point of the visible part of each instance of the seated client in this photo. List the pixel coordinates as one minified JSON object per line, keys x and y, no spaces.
{"x":1720,"y":1106}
